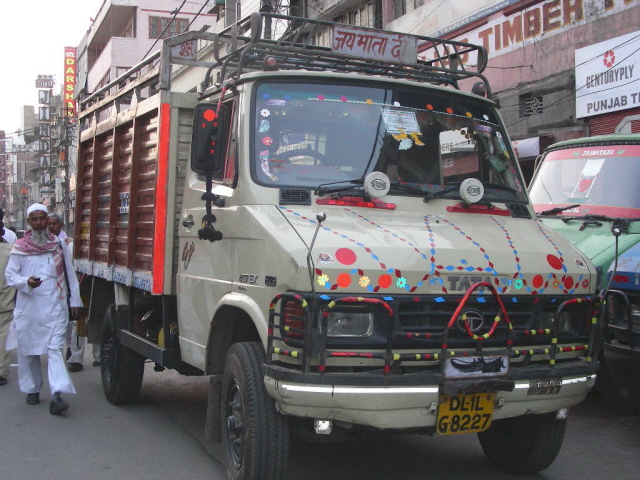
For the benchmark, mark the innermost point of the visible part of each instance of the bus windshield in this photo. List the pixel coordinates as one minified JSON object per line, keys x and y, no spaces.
{"x":311,"y":134}
{"x":603,"y":178}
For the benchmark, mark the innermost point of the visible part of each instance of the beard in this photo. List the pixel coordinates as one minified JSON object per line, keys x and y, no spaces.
{"x":39,"y":236}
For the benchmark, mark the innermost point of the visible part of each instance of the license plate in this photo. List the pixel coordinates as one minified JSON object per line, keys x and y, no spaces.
{"x":465,"y":413}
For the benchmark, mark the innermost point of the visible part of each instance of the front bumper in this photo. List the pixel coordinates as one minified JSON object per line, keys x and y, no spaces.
{"x":398,"y":404}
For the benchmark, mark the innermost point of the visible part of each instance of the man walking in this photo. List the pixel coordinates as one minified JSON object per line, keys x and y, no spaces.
{"x":40,"y":269}
{"x":7,"y":295}
{"x":75,"y":342}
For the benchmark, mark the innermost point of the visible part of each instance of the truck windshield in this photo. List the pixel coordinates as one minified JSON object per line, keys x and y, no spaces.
{"x":306,"y":135}
{"x":604,"y":177}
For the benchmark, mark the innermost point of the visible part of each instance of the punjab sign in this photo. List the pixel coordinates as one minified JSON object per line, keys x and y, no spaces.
{"x":605,"y":76}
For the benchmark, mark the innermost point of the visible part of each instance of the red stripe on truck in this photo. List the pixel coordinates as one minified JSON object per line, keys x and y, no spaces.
{"x":159,"y":238}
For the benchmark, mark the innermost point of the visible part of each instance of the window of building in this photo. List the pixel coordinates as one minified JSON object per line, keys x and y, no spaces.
{"x":399,"y":8}
{"x":362,"y":16}
{"x":104,"y":80}
{"x":161,"y":27}
{"x":531,"y":104}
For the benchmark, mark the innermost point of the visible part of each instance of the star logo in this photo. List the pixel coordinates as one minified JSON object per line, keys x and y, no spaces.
{"x":609,"y":59}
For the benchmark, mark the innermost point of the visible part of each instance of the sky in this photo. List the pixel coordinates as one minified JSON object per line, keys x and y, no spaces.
{"x":33,"y":34}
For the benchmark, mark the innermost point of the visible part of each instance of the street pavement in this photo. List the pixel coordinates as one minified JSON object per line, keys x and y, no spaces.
{"x":163,"y":437}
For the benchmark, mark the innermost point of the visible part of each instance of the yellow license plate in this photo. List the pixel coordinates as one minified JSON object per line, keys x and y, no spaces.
{"x":465,"y":413}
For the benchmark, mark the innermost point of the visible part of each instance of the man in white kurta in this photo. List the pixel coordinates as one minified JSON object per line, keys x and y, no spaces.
{"x":36,"y":269}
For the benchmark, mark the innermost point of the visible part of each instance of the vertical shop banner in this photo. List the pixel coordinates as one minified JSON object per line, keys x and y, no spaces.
{"x":69,"y":82}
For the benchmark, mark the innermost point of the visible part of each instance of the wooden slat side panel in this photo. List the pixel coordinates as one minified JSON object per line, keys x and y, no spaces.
{"x":143,"y":189}
{"x":102,"y":202}
{"x":102,"y":153}
{"x":123,"y":190}
{"x":83,"y":199}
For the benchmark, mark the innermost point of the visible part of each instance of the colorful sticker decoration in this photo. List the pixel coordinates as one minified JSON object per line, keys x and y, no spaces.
{"x":393,"y":277}
{"x":325,"y":258}
{"x":265,"y":112}
{"x":264,"y":126}
{"x":344,"y":280}
{"x":346,"y":256}
{"x":264,"y":165}
{"x":267,"y":140}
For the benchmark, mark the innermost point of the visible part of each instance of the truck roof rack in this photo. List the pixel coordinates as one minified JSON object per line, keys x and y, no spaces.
{"x":294,"y":51}
{"x":245,"y":49}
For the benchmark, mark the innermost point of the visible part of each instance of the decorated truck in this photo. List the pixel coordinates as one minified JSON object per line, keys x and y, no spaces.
{"x":586,"y":190}
{"x":338,"y":236}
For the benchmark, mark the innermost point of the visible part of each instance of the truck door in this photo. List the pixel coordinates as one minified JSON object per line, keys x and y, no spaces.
{"x":205,"y":267}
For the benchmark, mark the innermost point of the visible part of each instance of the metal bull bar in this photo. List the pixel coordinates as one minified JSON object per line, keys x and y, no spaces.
{"x":313,"y":344}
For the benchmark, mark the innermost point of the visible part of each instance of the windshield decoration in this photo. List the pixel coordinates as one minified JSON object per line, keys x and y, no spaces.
{"x":309,"y":135}
{"x":403,"y":126}
{"x":587,"y":178}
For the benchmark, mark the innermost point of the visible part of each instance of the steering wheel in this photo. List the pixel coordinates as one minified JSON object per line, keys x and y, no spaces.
{"x":300,"y":152}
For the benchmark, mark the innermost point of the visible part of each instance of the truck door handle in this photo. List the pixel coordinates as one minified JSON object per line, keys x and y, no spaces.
{"x":188,"y":222}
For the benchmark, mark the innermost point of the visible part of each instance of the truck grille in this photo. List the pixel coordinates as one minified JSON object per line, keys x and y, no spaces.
{"x":433,"y":318}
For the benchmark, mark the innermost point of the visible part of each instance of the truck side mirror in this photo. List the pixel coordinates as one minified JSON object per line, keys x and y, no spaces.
{"x":209,"y":139}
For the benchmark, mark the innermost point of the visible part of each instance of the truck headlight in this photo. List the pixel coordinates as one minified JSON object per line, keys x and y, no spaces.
{"x":349,"y":324}
{"x":564,"y":321}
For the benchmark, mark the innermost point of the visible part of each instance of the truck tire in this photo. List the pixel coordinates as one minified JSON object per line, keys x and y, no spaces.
{"x":255,"y":437}
{"x":121,"y":368}
{"x":525,"y":444}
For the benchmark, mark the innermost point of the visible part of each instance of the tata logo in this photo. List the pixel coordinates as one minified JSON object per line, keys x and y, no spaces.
{"x":462,"y":283}
{"x":474,"y":319}
{"x":378,"y":184}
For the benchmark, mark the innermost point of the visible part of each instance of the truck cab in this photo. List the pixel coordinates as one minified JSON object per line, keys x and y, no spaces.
{"x":585,"y":189}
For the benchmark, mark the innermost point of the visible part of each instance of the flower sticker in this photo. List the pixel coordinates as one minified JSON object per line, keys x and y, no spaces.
{"x":267,"y":141}
{"x":401,"y":282}
{"x":364,"y":281}
{"x":323,"y":279}
{"x":264,"y":126}
{"x":585,"y":283}
{"x":265,"y":112}
{"x":518,"y":284}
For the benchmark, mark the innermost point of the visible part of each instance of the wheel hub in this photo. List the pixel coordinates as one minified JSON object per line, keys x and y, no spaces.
{"x":235,"y":426}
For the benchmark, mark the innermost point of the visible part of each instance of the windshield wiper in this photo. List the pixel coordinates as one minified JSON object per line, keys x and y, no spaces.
{"x":554,"y":211}
{"x":450,"y":187}
{"x":406,"y":187}
{"x":339,"y":186}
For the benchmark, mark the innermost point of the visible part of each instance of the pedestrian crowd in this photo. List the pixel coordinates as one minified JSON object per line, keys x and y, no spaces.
{"x":39,"y":308}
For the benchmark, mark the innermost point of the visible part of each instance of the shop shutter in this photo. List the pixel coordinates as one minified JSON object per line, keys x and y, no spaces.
{"x":606,"y":124}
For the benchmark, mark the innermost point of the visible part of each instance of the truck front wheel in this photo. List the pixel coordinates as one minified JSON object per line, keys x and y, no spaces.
{"x":121,"y":368}
{"x":525,"y":444}
{"x":255,"y":437}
